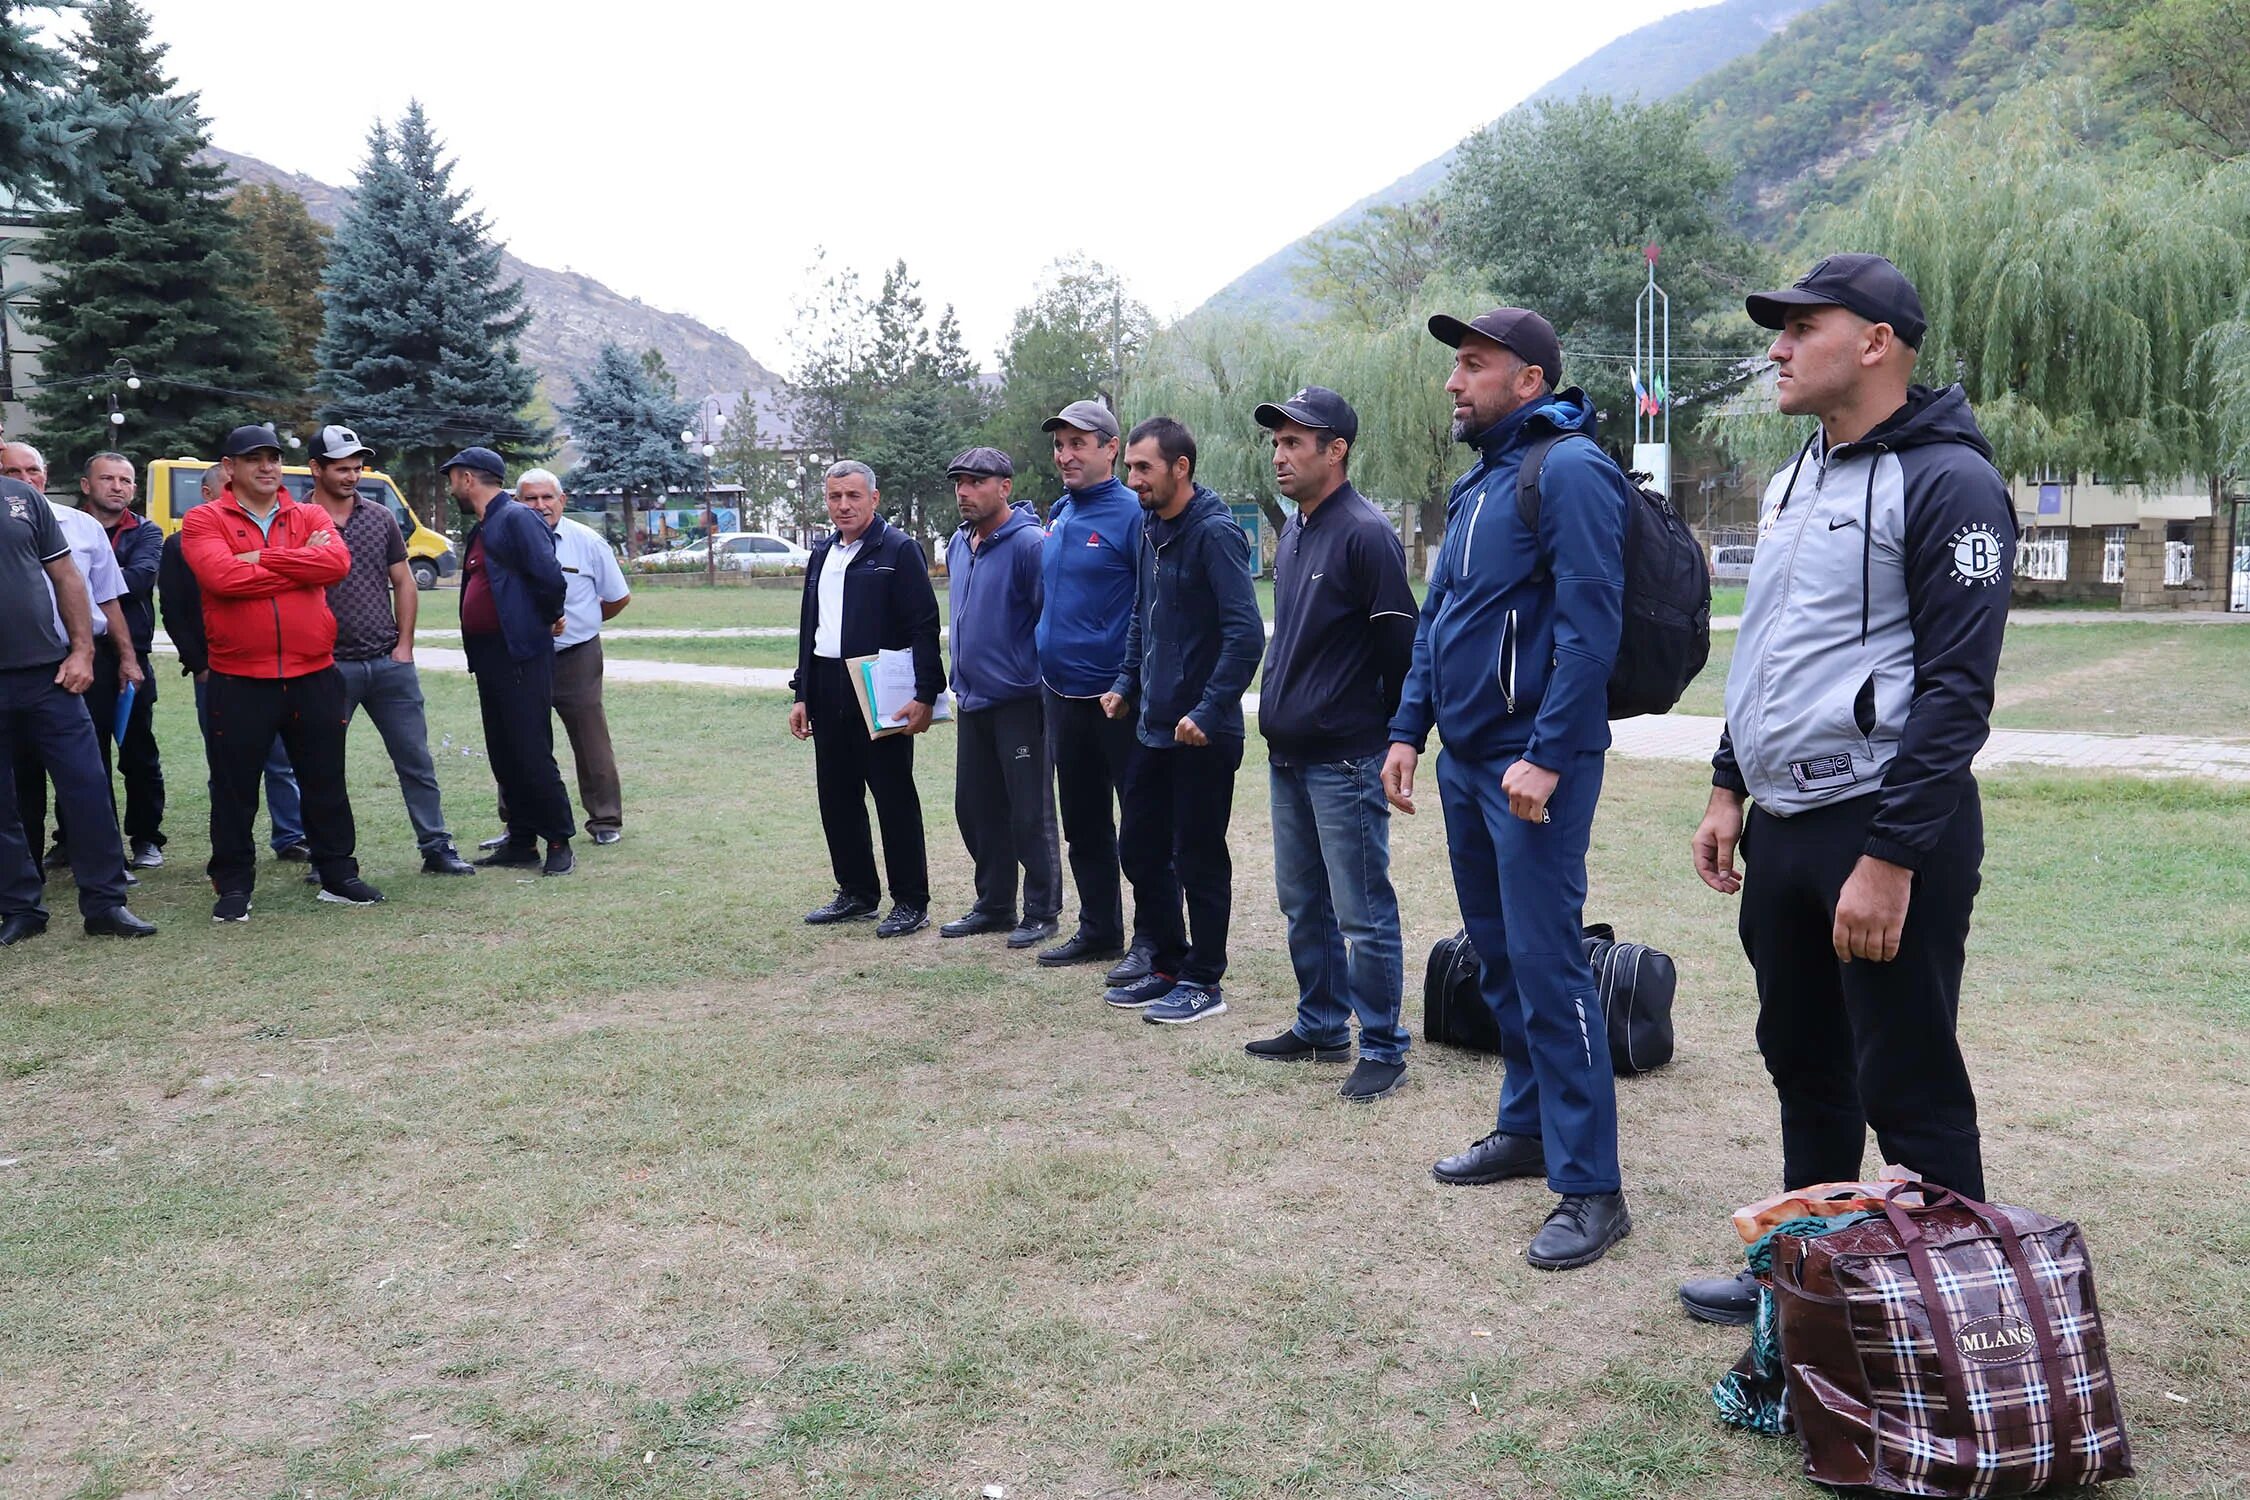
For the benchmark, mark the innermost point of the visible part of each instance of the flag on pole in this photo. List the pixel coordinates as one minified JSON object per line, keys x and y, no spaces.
{"x":1640,"y":395}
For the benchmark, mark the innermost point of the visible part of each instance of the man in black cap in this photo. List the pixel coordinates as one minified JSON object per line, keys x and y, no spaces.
{"x":512,"y":595}
{"x":1093,"y":539}
{"x":1001,"y":794}
{"x":1860,"y":693}
{"x":1512,"y":660}
{"x":43,"y":675}
{"x":1343,"y":638}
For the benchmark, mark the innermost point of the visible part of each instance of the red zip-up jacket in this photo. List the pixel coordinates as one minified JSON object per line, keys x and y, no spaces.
{"x":268,"y":618}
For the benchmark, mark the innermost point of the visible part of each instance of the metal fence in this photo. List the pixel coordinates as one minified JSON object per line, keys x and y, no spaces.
{"x":2179,"y":564}
{"x":2113,"y":556}
{"x":2044,"y":558}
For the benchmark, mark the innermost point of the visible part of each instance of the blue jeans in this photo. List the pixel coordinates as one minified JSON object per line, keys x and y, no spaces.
{"x":1332,"y":871}
{"x":284,"y":810}
{"x":391,"y":692}
{"x":1522,"y":889}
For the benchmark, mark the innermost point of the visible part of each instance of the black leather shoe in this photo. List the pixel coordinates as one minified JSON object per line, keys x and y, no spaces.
{"x":1579,"y":1231}
{"x":1077,"y":949}
{"x":20,"y":926}
{"x":446,"y":862}
{"x":1290,"y":1047}
{"x":1031,"y":932}
{"x":511,"y":854}
{"x":295,"y":854}
{"x":1493,"y":1159}
{"x":1139,"y":960}
{"x":1730,"y":1300}
{"x":902,"y":920}
{"x":497,"y":841}
{"x":841,"y":908}
{"x":976,"y":924}
{"x":607,"y":836}
{"x":119,"y":921}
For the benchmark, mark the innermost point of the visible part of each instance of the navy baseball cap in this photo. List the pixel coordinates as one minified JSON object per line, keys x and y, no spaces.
{"x":481,"y":460}
{"x":1316,"y":407}
{"x":249,"y":440}
{"x":1865,"y":284}
{"x":1519,"y":330}
{"x":981,"y":463}
{"x":1086,"y":416}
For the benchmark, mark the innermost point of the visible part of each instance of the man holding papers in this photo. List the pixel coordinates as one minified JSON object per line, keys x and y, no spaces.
{"x":867,"y":590}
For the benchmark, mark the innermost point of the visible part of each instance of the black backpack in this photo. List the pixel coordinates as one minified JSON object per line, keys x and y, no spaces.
{"x":1667,"y":636}
{"x":1635,"y":983}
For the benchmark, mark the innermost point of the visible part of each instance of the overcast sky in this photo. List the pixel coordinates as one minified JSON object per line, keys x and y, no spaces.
{"x":696,"y":155}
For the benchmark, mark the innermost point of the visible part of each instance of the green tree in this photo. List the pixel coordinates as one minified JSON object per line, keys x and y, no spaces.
{"x":1073,"y":341}
{"x":148,"y":269}
{"x":2185,"y":58}
{"x":58,"y":142}
{"x":286,"y":250}
{"x":1368,"y":273}
{"x":774,"y":484}
{"x":626,"y":423}
{"x":418,"y":347}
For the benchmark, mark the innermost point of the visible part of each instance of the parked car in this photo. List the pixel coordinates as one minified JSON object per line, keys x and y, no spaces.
{"x":739,"y":552}
{"x":1732,"y":563}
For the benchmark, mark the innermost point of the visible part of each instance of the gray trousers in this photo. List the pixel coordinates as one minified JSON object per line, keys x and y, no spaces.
{"x":578,"y":703}
{"x":391,"y":692}
{"x":1006,"y":812}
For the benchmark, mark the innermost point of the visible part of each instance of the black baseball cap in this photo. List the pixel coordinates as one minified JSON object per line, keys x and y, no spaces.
{"x":249,"y":440}
{"x":332,"y":443}
{"x":1316,"y":407}
{"x":1086,"y":416}
{"x":481,"y":460}
{"x":1518,"y":330}
{"x":1865,"y":284}
{"x":981,"y":463}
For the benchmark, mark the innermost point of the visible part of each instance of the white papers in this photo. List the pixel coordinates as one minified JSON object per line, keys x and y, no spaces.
{"x":890,"y":686}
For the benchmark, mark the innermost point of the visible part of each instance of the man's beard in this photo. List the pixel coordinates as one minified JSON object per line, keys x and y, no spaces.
{"x":1466,"y":432}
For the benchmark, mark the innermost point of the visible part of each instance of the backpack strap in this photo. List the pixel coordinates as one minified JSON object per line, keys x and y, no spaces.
{"x":1527,"y":487}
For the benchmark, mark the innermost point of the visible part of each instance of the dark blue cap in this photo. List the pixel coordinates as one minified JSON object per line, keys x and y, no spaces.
{"x":1316,"y":407}
{"x":1865,"y":284}
{"x":249,"y":440}
{"x":981,"y":463}
{"x":1519,"y":330}
{"x":482,"y":460}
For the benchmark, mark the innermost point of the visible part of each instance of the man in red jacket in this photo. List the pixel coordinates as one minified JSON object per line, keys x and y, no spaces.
{"x":264,"y":564}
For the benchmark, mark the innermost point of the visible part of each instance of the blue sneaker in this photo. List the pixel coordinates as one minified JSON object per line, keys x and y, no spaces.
{"x":1146,"y":990}
{"x":1188,"y":1001}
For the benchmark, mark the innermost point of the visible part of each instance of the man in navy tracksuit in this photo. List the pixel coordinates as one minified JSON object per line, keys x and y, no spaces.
{"x":1860,"y":694}
{"x":1093,"y":539}
{"x":1193,"y":646}
{"x":1001,"y":796}
{"x":1512,"y":661}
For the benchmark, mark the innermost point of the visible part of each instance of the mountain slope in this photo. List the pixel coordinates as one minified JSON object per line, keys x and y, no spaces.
{"x":1661,"y":59}
{"x":571,"y":314}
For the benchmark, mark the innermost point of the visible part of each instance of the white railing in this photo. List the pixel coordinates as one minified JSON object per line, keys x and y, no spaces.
{"x":2045,"y":558}
{"x":2179,"y":564}
{"x":2239,"y":596}
{"x":2113,"y":556}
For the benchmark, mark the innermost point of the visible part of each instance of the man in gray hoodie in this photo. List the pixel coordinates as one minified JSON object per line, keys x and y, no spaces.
{"x":1860,"y":693}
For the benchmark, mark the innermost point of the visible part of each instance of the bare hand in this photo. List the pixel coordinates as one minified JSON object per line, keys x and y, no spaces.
{"x":1114,"y":705}
{"x":403,"y":651}
{"x":247,"y":557}
{"x":321,"y":539}
{"x":203,"y":676}
{"x":1398,"y":777}
{"x":76,"y":674}
{"x":556,"y":628}
{"x":129,"y":668}
{"x":800,"y":722}
{"x":1188,"y":732}
{"x":917,"y":716}
{"x":1716,"y":840}
{"x":1871,"y":912}
{"x":1528,"y":788}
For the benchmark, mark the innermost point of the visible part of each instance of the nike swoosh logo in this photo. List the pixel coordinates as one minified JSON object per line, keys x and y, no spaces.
{"x":1316,"y":577}
{"x":1840,"y":524}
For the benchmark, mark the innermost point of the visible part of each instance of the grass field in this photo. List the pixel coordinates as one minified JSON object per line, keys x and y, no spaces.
{"x":630,"y":1184}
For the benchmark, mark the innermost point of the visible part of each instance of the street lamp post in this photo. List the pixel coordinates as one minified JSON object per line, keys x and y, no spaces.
{"x":705,"y":450}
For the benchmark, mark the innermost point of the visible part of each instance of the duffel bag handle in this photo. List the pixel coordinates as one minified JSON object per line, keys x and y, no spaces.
{"x":2063,"y":1414}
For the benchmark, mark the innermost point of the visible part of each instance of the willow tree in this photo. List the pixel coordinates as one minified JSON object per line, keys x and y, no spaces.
{"x":2067,"y":296}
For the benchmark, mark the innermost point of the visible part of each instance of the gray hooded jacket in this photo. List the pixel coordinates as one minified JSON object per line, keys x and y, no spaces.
{"x":1871,"y":636}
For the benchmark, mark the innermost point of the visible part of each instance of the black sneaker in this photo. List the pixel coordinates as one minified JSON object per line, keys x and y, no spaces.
{"x":1493,"y":1159}
{"x":1290,"y":1047}
{"x":1371,"y":1080}
{"x":1728,"y":1300}
{"x":902,"y":920}
{"x":1144,"y":991}
{"x":1031,"y":932}
{"x":511,"y":855}
{"x":445,"y":861}
{"x":299,"y":853}
{"x":58,"y":858}
{"x":350,"y":891}
{"x":1579,"y":1231}
{"x":146,"y":856}
{"x":1139,"y":962}
{"x":975,"y":924}
{"x":232,"y":906}
{"x":841,"y":908}
{"x":560,"y":861}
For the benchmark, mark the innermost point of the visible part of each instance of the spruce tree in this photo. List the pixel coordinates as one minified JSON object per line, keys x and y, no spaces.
{"x":148,"y":269}
{"x":55,"y":137}
{"x":626,"y":424}
{"x":418,"y":348}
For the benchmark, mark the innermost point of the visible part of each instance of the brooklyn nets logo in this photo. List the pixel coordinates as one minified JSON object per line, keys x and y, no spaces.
{"x":1976,"y":555}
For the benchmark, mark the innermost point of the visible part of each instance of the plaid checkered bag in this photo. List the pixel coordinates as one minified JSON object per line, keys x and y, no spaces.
{"x":1948,"y":1348}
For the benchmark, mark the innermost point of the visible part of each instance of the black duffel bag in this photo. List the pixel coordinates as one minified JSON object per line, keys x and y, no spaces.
{"x":1635,"y":982}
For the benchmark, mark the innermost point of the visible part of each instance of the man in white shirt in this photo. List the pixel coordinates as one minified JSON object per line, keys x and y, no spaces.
{"x":595,"y":592}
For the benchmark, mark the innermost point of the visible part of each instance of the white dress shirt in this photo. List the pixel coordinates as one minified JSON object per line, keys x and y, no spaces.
{"x":828,"y":627}
{"x":591,"y":578}
{"x":96,"y":561}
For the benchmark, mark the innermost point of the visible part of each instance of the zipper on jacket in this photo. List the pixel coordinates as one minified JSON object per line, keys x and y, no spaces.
{"x":1470,"y":539}
{"x":1505,"y":666}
